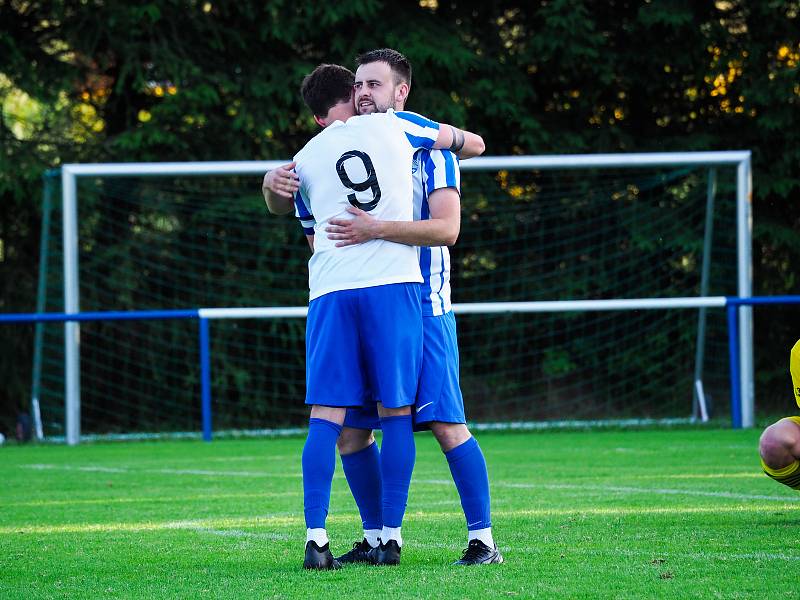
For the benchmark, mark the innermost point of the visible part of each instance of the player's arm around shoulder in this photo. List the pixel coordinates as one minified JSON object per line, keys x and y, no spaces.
{"x":278,"y":187}
{"x":440,"y":230}
{"x":441,"y":179}
{"x":464,"y":144}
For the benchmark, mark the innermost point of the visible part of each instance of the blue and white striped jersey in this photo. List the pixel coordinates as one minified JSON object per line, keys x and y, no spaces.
{"x":432,"y":170}
{"x":365,"y":162}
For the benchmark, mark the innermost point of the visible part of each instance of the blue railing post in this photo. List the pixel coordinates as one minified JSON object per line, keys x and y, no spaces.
{"x":205,"y":378}
{"x":732,"y":307}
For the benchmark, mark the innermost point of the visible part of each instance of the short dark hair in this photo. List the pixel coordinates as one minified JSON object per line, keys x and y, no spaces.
{"x":325,"y":87}
{"x":397,"y":62}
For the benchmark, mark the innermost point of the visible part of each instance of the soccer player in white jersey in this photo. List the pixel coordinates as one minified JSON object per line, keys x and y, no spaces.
{"x":383,"y":81}
{"x":364,"y":328}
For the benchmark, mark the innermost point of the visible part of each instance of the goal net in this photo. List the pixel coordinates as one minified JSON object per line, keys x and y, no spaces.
{"x":527,"y":234}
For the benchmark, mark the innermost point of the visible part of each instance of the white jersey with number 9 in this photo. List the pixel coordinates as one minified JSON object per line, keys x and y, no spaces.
{"x":366,"y":163}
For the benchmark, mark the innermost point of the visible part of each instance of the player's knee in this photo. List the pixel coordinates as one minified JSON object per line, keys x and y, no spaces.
{"x":334,"y":414}
{"x":768,"y":446}
{"x":384,"y":412}
{"x":354,"y":440}
{"x":780,"y":444}
{"x":450,"y":435}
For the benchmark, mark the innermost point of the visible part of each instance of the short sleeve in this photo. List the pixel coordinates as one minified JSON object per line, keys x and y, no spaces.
{"x":420,"y":131}
{"x":302,"y":210}
{"x":440,"y":170}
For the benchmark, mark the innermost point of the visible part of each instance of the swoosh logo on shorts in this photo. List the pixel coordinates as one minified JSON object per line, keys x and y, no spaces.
{"x":419,"y":408}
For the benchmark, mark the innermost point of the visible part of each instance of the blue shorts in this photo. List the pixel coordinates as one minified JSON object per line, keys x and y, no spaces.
{"x":364,"y":344}
{"x":439,"y":397}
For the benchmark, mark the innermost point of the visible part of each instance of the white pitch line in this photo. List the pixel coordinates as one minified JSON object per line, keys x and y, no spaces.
{"x":158,"y":499}
{"x":168,"y":499}
{"x":91,"y":469}
{"x":205,"y":472}
{"x":418,"y":505}
{"x":219,"y":473}
{"x":432,"y":481}
{"x":626,"y":489}
{"x":237,"y":533}
{"x":667,"y":492}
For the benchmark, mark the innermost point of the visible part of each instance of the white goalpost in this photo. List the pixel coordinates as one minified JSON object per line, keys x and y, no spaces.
{"x":738,"y":160}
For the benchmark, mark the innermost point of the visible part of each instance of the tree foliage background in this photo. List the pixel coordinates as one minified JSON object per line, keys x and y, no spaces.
{"x":192,"y":80}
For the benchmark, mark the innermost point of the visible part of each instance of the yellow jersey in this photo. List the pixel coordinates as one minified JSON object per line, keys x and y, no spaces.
{"x":794,"y":369}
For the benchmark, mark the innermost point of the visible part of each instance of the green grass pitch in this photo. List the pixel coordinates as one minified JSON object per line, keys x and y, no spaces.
{"x":622,"y":514}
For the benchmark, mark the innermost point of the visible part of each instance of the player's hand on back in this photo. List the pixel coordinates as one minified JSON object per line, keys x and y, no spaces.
{"x":282,"y":181}
{"x":361,"y":228}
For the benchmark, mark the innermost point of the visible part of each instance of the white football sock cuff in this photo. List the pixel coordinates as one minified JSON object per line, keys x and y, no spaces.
{"x":391,"y":533}
{"x":484,"y":535}
{"x":319,"y":535}
{"x":372,"y":536}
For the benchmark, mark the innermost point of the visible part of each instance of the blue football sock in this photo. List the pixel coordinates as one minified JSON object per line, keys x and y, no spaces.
{"x":319,"y":462}
{"x":397,"y":463}
{"x":363,"y":472}
{"x":468,"y":467}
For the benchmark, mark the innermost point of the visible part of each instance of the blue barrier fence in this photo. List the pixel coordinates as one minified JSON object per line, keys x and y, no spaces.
{"x":140,"y":315}
{"x":203,"y":316}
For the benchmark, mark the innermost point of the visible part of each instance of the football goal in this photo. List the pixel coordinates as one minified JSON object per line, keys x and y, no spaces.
{"x":546,"y":244}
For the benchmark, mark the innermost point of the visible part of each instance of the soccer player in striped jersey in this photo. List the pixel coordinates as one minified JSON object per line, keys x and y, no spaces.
{"x":780,"y":443}
{"x":364,"y":328}
{"x":383,"y":81}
